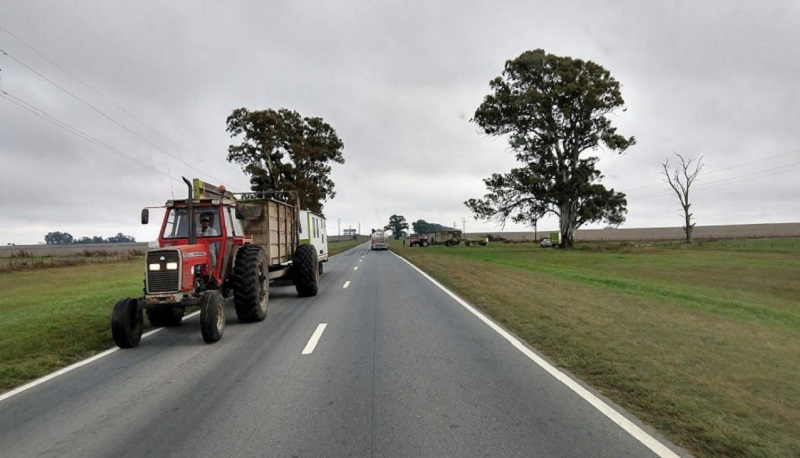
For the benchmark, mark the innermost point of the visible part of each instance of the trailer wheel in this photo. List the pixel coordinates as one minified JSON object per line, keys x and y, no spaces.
{"x":320,"y":268}
{"x":212,"y":316}
{"x":126,"y":323}
{"x":250,"y":284}
{"x":165,"y":316}
{"x":304,"y":270}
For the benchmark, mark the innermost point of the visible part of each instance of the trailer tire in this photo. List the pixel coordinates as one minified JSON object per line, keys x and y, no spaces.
{"x":212,"y":316}
{"x":126,"y":323}
{"x":320,"y":268}
{"x":165,"y":316}
{"x":304,"y":270}
{"x":250,"y":284}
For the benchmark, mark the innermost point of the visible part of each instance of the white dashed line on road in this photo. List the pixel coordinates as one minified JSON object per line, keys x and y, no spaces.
{"x":312,"y":342}
{"x":346,"y":284}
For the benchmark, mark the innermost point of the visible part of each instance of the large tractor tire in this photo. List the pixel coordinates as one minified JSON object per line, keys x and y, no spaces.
{"x":165,"y":316}
{"x":250,"y":284}
{"x":126,"y":323}
{"x":424,"y":243}
{"x":212,"y":316}
{"x":305,"y":271}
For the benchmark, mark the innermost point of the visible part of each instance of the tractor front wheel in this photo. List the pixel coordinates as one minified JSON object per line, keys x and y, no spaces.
{"x":250,"y":284}
{"x":212,"y":316}
{"x":126,"y":323}
{"x":304,"y":270}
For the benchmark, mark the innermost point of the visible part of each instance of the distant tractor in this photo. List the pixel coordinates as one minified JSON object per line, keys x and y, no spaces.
{"x":418,"y":240}
{"x":214,"y":248}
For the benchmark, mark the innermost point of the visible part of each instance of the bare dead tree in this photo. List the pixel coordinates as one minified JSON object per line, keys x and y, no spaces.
{"x":680,"y":179}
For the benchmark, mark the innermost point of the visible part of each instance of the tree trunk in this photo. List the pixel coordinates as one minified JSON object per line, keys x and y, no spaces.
{"x":567,"y":220}
{"x":689,"y":226}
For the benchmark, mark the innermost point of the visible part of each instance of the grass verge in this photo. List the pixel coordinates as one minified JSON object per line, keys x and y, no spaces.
{"x":50,"y":318}
{"x":701,"y":342}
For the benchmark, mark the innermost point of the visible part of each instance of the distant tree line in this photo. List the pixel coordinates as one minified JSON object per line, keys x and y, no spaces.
{"x":423,"y":227}
{"x":65,"y":238}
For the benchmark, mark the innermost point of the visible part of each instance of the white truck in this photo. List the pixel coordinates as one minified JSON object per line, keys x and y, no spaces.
{"x":378,"y":240}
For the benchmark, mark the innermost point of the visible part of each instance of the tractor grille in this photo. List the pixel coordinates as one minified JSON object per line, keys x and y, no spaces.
{"x":163,"y":280}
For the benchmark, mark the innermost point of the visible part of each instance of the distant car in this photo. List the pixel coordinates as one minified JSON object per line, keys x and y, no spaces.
{"x":546,"y":243}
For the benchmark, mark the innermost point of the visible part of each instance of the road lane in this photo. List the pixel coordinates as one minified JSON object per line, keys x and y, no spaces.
{"x":401,"y":369}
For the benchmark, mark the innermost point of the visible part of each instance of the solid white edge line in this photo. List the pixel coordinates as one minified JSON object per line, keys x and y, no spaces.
{"x":312,"y":342}
{"x":639,"y":434}
{"x":346,"y":284}
{"x":72,"y":367}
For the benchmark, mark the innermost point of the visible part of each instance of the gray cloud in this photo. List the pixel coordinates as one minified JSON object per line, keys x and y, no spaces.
{"x":399,"y":81}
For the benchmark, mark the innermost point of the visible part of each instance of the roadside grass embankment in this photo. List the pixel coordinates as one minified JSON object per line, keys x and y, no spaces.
{"x":700,"y":341}
{"x":50,"y":318}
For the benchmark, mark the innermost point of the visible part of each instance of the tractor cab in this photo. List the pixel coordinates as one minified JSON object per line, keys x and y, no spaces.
{"x":205,"y":230}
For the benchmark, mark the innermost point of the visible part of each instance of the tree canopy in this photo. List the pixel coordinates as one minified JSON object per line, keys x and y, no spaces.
{"x":282,"y":151}
{"x":423,"y":227}
{"x":397,"y":224}
{"x":553,"y":109}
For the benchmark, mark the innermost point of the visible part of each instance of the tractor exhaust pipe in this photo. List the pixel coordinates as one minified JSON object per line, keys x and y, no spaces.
{"x":190,"y":205}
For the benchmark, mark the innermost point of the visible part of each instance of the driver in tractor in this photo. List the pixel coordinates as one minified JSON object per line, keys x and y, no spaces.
{"x":206,"y":230}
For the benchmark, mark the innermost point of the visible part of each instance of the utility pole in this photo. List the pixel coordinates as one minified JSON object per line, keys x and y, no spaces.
{"x":339,"y":222}
{"x":359,"y":228}
{"x":464,"y":227}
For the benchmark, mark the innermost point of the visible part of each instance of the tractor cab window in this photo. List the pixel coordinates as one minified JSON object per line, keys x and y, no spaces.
{"x":207,"y":222}
{"x":232,"y":224}
{"x":177,"y":224}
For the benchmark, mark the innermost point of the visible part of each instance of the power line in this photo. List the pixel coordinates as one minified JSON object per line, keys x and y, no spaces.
{"x":796,"y":151}
{"x":107,"y":117}
{"x":121,"y":108}
{"x":732,"y":180}
{"x":78,"y":133}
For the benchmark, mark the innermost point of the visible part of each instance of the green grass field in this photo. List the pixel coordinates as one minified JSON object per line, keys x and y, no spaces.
{"x":702,"y":342}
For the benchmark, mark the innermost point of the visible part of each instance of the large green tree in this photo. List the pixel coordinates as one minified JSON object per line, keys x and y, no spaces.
{"x":282,"y":151}
{"x":423,"y":227}
{"x":554,"y":111}
{"x":397,"y":224}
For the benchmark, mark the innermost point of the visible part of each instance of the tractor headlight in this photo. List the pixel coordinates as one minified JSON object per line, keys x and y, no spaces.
{"x":172,"y":266}
{"x":154,"y":267}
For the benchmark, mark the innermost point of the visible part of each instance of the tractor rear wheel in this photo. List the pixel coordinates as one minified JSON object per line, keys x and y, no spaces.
{"x":165,"y":316}
{"x":212,"y":316}
{"x":126,"y":323}
{"x":304,"y":270}
{"x":250,"y":284}
{"x":424,"y":243}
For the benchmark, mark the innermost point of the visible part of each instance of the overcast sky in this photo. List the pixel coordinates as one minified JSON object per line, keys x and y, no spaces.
{"x":147,"y":86}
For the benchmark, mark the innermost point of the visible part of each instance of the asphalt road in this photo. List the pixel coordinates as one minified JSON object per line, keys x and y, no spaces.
{"x":400,"y":369}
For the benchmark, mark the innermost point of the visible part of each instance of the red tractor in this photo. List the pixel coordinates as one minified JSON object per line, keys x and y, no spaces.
{"x":214,"y":249}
